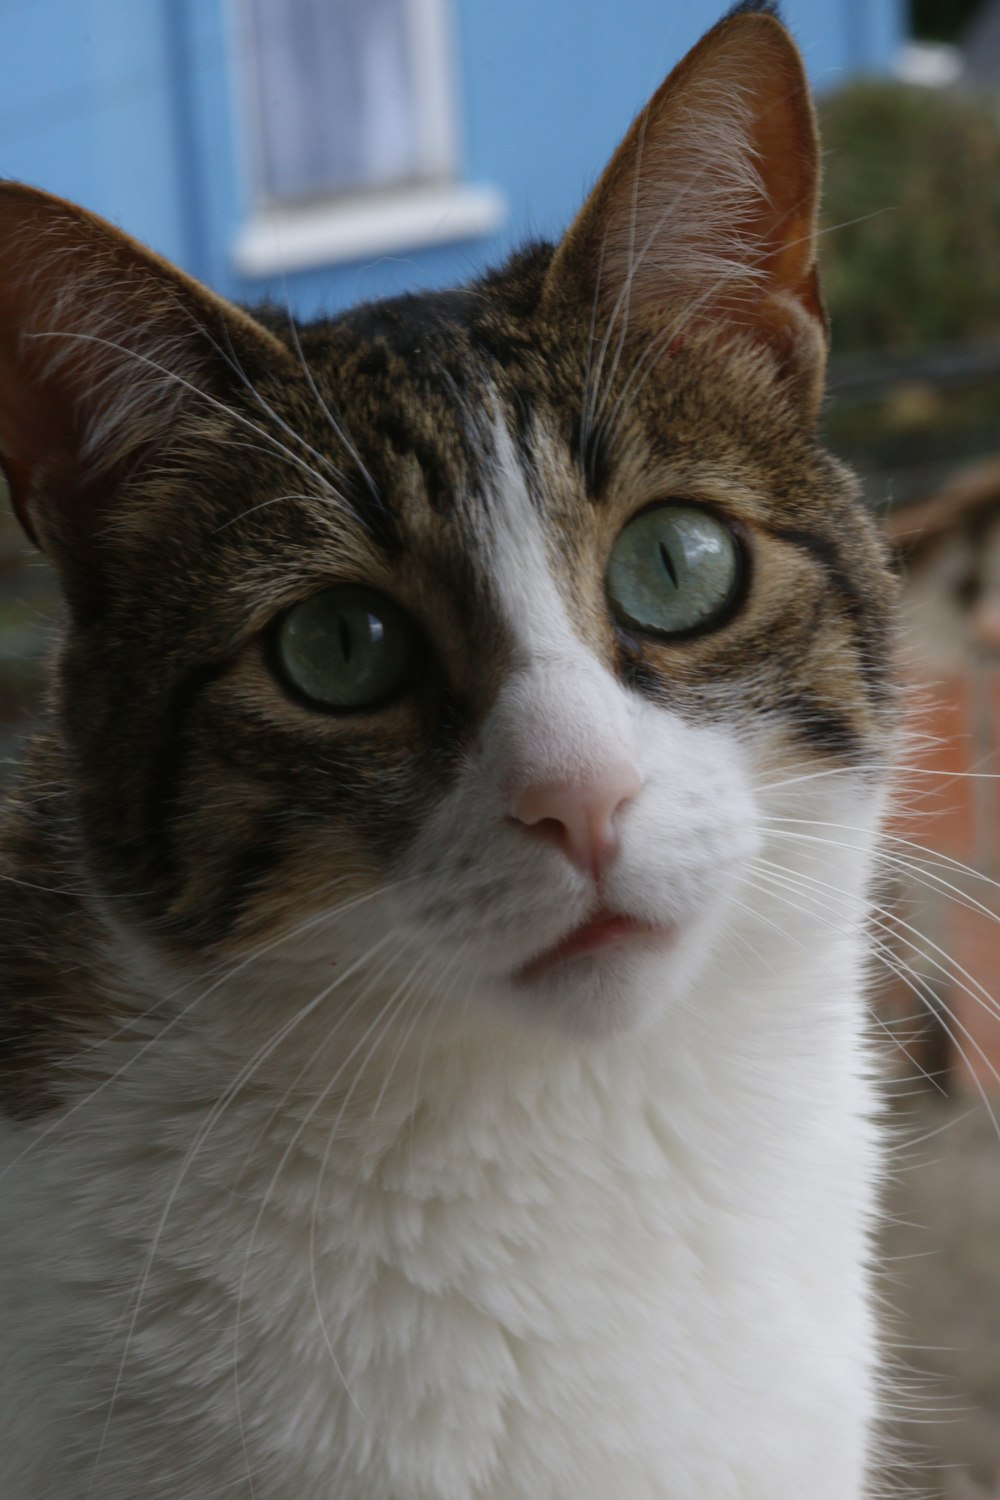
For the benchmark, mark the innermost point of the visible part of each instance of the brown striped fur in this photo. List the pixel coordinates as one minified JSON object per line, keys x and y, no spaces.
{"x":237,"y":463}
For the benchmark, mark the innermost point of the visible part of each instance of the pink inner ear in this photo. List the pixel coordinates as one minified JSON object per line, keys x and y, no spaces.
{"x":51,"y":401}
{"x":33,"y":435}
{"x":786,"y":149}
{"x":726,"y":178}
{"x":62,"y":275}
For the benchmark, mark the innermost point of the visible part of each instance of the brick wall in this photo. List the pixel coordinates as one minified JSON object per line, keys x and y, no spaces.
{"x":950,"y":807}
{"x":950,"y":798}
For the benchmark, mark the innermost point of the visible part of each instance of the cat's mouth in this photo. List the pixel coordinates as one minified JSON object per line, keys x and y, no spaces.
{"x":600,"y":931}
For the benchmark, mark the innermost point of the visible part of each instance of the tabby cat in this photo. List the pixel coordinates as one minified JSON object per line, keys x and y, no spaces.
{"x":432,"y":1061}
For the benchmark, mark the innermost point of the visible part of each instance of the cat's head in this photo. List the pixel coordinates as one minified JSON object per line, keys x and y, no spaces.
{"x":466,"y":639}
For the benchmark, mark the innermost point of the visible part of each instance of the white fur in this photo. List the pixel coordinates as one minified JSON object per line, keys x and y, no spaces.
{"x":454,"y":1239}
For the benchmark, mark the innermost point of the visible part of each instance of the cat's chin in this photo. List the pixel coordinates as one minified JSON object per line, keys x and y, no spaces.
{"x":624,"y":983}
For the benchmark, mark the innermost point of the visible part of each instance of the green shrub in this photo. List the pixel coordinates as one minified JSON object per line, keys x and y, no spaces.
{"x":911,"y":249}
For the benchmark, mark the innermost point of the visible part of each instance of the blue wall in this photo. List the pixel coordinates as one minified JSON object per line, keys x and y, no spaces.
{"x":127,"y":106}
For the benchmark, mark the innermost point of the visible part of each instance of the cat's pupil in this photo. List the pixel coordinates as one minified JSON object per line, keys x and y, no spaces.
{"x":667,"y":562}
{"x":345,"y":638}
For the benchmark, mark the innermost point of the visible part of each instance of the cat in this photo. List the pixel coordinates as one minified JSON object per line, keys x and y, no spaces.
{"x":433,"y":1060}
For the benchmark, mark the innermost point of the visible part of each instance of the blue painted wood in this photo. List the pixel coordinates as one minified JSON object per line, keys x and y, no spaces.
{"x":132,"y":107}
{"x":190,"y":187}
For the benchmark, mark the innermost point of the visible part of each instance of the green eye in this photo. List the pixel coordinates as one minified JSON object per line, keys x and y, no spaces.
{"x":675,"y":569}
{"x":348,"y":648}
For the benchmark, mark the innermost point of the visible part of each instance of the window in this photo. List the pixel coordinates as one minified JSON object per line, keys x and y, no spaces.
{"x":352,"y":130}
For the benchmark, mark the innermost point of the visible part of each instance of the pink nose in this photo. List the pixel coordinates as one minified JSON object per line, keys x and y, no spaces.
{"x":579,"y":818}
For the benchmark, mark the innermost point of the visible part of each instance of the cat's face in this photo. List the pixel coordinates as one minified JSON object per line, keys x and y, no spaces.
{"x":468,"y":638}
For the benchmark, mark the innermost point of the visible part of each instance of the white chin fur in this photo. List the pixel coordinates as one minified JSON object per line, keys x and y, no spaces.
{"x":349,"y":1225}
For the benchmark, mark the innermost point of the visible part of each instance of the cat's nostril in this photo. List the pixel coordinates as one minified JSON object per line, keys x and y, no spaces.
{"x":579,"y":819}
{"x":549,"y":829}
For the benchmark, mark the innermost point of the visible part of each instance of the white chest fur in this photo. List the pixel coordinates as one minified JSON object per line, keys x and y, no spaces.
{"x":526,"y":1267}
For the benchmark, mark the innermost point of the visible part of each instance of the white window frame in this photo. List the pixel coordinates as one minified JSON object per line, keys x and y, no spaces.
{"x":435,"y":209}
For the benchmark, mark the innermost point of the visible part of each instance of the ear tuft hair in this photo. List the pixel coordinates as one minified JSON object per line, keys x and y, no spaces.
{"x":705,"y":219}
{"x":101,"y":345}
{"x":770,"y":8}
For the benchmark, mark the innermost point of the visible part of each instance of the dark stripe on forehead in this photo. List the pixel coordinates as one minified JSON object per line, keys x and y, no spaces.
{"x":591,"y":452}
{"x":439,"y":465}
{"x":367,"y":503}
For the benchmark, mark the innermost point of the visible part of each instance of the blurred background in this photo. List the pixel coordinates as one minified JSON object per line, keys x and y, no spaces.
{"x":321,"y":152}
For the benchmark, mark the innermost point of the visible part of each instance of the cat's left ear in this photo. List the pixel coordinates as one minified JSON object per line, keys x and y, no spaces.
{"x":102,"y":346}
{"x":705,"y":218}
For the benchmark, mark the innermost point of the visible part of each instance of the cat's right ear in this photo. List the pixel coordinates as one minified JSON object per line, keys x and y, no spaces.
{"x":705,"y":220}
{"x":101,"y":345}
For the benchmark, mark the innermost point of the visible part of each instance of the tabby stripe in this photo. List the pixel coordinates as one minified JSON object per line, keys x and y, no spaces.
{"x":368,"y":506}
{"x":822,"y":550}
{"x":166,"y":772}
{"x":247,"y":875}
{"x":869,"y":628}
{"x":821,"y":727}
{"x":592,"y":457}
